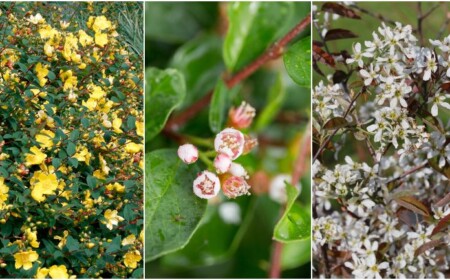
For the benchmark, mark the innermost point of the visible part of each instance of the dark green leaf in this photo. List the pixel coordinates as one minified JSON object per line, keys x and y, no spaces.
{"x":165,"y":90}
{"x":200,"y":61}
{"x":71,"y":148}
{"x":253,"y":27}
{"x":72,"y":244}
{"x":219,"y":106}
{"x":173,"y":211}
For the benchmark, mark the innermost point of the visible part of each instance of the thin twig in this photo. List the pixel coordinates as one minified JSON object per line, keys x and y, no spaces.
{"x":444,"y":24}
{"x":272,"y":53}
{"x":412,"y":170}
{"x":432,"y":9}
{"x":300,"y":166}
{"x":325,"y":143}
{"x":377,"y":16}
{"x":419,"y":22}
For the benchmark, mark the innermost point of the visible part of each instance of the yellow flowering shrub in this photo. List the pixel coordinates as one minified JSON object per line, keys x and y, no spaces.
{"x":71,"y":140}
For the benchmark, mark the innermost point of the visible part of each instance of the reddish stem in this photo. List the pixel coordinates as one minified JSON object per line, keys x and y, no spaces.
{"x":272,"y":53}
{"x":300,"y":166}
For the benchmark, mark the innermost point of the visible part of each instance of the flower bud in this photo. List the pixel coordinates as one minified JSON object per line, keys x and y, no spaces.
{"x":242,"y":116}
{"x":206,"y":185}
{"x":238,"y":170}
{"x":230,"y":142}
{"x":188,"y":153}
{"x":234,"y":186}
{"x":222,"y":163}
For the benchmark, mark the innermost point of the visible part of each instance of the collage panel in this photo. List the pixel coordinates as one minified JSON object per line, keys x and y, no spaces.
{"x":380,"y":142}
{"x":228,"y":140}
{"x":71,"y":140}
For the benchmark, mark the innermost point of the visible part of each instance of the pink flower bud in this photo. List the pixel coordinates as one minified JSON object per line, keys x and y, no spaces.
{"x":222,"y":163}
{"x":250,"y":143}
{"x":230,"y":142}
{"x":188,"y":153}
{"x":206,"y":185}
{"x":238,"y":170}
{"x":242,"y":116}
{"x":234,"y":186}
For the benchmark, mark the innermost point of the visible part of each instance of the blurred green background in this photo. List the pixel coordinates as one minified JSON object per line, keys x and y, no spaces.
{"x":189,"y":37}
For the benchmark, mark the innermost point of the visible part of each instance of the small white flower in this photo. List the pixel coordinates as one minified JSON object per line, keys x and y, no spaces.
{"x":238,"y":170}
{"x":188,"y":153}
{"x":231,"y":142}
{"x":222,"y":163}
{"x":206,"y":185}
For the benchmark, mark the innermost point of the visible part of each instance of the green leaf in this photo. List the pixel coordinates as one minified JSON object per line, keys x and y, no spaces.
{"x":91,"y":181}
{"x":297,"y":61}
{"x":173,"y":211}
{"x":200,"y":61}
{"x":253,"y":27}
{"x":72,"y":244}
{"x":274,"y":102}
{"x":114,"y":246}
{"x":219,"y":105}
{"x":71,"y":148}
{"x":165,"y":90}
{"x":178,"y":23}
{"x":56,"y":162}
{"x":296,"y":254}
{"x":295,"y":224}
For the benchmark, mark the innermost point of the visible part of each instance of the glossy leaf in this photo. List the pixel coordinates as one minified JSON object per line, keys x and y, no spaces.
{"x":442,"y":224}
{"x":336,"y":34}
{"x":173,"y":212}
{"x":253,"y":27}
{"x":413,"y":204}
{"x":296,"y":254}
{"x":427,"y":246}
{"x":165,"y":90}
{"x":218,"y":107}
{"x":297,"y":61}
{"x":200,"y":61}
{"x":215,"y":241}
{"x":275,"y":100}
{"x":295,"y":224}
{"x":319,"y":55}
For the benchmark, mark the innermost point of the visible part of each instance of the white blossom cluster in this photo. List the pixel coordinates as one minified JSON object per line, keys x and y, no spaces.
{"x":373,"y":235}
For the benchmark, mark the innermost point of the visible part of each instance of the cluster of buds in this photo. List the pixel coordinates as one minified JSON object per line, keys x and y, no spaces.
{"x":229,"y":144}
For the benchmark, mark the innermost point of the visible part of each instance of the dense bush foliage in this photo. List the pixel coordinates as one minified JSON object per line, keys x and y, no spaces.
{"x":221,"y":207}
{"x":71,"y":141}
{"x":381,"y":169}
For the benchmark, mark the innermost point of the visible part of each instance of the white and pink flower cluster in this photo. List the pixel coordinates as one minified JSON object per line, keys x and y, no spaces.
{"x":229,"y":144}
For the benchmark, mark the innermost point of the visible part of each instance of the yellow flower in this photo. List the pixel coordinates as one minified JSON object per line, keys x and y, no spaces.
{"x":132,"y":258}
{"x":99,"y":23}
{"x":64,"y":24}
{"x":117,"y":187}
{"x":63,"y":239}
{"x":41,"y":273}
{"x":46,"y":185}
{"x":141,"y":236}
{"x":112,"y":219}
{"x":83,"y":154}
{"x":32,"y":238}
{"x":41,"y":73}
{"x":35,"y":157}
{"x":58,"y":272}
{"x":25,"y":259}
{"x":140,"y":128}
{"x":45,"y":138}
{"x":133,"y":148}
{"x":91,"y":104}
{"x":84,"y":38}
{"x":104,"y":165}
{"x":47,"y":32}
{"x":3,"y":193}
{"x":116,"y":124}
{"x":48,"y":49}
{"x":70,"y":81}
{"x":97,"y":92}
{"x":39,"y":93}
{"x":129,"y":240}
{"x":101,"y":39}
